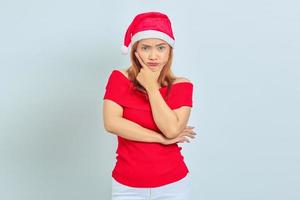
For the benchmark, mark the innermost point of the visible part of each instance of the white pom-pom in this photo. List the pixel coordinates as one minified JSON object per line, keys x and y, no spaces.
{"x":124,"y":50}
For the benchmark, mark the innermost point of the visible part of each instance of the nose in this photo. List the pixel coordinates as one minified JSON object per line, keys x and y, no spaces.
{"x":152,"y":55}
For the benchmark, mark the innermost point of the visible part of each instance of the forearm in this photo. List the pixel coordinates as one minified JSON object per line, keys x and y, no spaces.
{"x":164,"y":117}
{"x":133,"y":131}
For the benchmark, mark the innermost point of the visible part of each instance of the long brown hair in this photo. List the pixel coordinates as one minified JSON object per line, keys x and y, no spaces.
{"x":166,"y":77}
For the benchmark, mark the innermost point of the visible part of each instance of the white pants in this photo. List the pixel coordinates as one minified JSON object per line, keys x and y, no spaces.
{"x":179,"y":190}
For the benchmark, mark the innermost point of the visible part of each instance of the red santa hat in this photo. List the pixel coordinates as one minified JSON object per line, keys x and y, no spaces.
{"x":148,"y":25}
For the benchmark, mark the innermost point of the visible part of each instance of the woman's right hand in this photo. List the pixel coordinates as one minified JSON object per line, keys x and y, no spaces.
{"x":182,"y":137}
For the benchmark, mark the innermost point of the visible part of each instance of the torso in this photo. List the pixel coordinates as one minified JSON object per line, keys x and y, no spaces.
{"x":145,"y":164}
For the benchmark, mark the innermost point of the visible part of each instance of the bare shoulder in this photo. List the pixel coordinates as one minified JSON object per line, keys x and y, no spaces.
{"x":181,"y":79}
{"x":123,"y":71}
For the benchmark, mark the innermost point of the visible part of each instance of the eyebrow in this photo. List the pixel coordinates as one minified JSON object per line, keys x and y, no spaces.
{"x":155,"y":45}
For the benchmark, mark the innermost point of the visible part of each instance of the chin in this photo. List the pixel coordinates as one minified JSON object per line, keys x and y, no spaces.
{"x":155,"y":69}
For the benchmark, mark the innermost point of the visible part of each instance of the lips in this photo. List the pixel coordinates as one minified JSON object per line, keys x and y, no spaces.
{"x":152,"y":63}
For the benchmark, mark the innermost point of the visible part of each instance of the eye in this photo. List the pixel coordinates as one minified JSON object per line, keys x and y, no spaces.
{"x":144,"y":48}
{"x":161,"y":47}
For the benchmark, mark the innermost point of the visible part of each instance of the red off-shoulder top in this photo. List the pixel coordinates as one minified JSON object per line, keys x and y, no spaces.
{"x":146,"y":164}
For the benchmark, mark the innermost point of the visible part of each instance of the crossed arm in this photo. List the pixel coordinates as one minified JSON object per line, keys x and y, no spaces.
{"x":115,"y":123}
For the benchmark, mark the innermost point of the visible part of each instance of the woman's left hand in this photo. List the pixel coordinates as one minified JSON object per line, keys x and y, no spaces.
{"x":146,"y":77}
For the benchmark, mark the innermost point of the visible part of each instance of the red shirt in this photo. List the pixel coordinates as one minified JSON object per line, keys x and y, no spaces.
{"x":146,"y":164}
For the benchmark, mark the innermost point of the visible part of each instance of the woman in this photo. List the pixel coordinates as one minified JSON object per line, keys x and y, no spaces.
{"x":148,"y":109}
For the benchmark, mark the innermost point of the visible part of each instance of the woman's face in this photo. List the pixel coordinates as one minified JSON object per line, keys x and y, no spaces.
{"x":154,"y":53}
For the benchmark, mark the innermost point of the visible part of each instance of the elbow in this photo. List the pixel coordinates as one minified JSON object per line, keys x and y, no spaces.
{"x":111,"y":125}
{"x":108,"y":127}
{"x":172,"y":133}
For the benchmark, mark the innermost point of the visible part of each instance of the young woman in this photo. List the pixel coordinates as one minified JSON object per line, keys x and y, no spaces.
{"x":148,"y":108}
